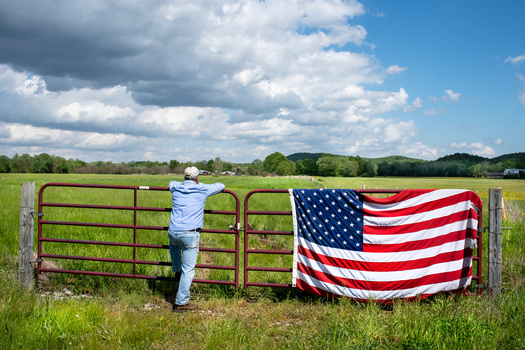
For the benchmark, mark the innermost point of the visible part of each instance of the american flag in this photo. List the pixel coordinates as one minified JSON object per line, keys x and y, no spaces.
{"x":411,"y":245}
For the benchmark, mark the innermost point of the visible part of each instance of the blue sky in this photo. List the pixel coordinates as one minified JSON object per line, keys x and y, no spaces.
{"x":239,"y":80}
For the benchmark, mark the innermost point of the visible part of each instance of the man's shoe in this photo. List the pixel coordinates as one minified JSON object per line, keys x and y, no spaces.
{"x":177,"y":276}
{"x":183,"y":308}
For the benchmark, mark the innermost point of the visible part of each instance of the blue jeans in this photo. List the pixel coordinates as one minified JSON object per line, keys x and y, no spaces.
{"x":184,"y":249}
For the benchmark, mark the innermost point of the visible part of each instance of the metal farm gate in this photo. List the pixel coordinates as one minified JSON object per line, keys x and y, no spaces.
{"x":248,"y":230}
{"x":50,"y":241}
{"x":52,"y":214}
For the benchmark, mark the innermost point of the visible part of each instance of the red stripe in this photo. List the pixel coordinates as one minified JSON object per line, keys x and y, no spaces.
{"x":423,"y":207}
{"x":448,"y":276}
{"x":399,"y":197}
{"x":418,"y":245}
{"x":314,"y":290}
{"x":388,"y":266}
{"x":418,"y":226}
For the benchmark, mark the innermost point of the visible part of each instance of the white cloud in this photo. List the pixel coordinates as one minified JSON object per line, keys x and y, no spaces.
{"x":476,"y":148}
{"x":417,"y":104}
{"x":432,"y":111}
{"x":515,"y":60}
{"x":395,"y":69}
{"x":451,"y":96}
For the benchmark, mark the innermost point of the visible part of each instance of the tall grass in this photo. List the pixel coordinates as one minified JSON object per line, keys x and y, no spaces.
{"x":127,"y":313}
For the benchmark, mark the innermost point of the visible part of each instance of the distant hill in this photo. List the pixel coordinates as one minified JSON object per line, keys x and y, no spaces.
{"x":392,"y":159}
{"x":520,"y":156}
{"x":464,"y":158}
{"x":315,"y":156}
{"x":302,"y":156}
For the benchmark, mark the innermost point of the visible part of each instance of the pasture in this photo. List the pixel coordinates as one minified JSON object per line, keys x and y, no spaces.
{"x":84,"y":312}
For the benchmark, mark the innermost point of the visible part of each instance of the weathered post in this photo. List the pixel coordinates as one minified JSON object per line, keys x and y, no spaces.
{"x":25,"y":252}
{"x":494,"y":250}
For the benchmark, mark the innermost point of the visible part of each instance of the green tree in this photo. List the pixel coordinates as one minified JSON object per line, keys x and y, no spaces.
{"x":371,"y":169}
{"x":5,"y":164}
{"x":42,"y":164}
{"x":299,"y":168}
{"x":255,"y":167}
{"x":329,"y":165}
{"x":310,"y":167}
{"x":285,"y":168}
{"x":174,"y":164}
{"x":272,"y":161}
{"x":349,"y":168}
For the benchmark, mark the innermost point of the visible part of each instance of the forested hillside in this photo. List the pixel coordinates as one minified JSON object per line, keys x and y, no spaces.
{"x":313,"y":164}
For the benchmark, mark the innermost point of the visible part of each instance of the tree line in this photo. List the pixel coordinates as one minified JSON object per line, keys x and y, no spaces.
{"x":312,"y":164}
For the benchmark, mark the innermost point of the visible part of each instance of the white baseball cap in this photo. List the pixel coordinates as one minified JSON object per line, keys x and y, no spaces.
{"x":191,"y":171}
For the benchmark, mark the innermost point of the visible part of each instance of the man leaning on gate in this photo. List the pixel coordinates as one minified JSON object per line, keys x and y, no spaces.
{"x":186,"y":221}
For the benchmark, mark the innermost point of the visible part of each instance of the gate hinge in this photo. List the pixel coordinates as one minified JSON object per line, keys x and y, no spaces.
{"x":37,"y":213}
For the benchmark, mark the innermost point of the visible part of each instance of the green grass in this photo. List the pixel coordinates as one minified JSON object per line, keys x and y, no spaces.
{"x":126,"y":313}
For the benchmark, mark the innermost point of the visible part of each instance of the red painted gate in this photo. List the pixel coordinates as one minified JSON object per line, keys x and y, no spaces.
{"x":253,"y":231}
{"x":133,"y":234}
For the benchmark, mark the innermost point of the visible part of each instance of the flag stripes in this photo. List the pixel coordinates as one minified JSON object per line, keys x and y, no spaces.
{"x":417,"y":242}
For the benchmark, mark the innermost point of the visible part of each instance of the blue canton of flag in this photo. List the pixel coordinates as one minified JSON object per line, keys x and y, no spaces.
{"x":331,"y":218}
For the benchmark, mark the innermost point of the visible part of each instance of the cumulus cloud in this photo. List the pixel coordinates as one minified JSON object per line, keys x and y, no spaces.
{"x":451,"y":96}
{"x":515,"y":60}
{"x":196,"y":80}
{"x":395,"y":69}
{"x":476,"y":148}
{"x":432,"y":111}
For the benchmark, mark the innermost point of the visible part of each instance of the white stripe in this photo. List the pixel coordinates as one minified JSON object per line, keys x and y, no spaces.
{"x":422,"y":234}
{"x":387,"y":257}
{"x":386,"y":276}
{"x":417,"y":217}
{"x":295,"y":241}
{"x":407,"y":203}
{"x":387,"y":294}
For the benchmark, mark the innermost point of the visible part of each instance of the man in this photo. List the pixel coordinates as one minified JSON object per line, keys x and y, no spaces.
{"x":186,"y":220}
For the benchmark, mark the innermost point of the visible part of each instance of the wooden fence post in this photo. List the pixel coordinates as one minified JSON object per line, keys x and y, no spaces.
{"x":27,"y":223}
{"x":494,"y":247}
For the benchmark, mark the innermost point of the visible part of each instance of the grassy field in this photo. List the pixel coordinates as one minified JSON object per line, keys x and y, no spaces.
{"x":85,"y":312}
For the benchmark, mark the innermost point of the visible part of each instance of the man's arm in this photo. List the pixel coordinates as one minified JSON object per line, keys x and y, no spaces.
{"x":215,"y":188}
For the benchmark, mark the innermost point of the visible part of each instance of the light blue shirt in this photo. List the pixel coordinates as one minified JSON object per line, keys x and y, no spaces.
{"x":187,"y":212}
